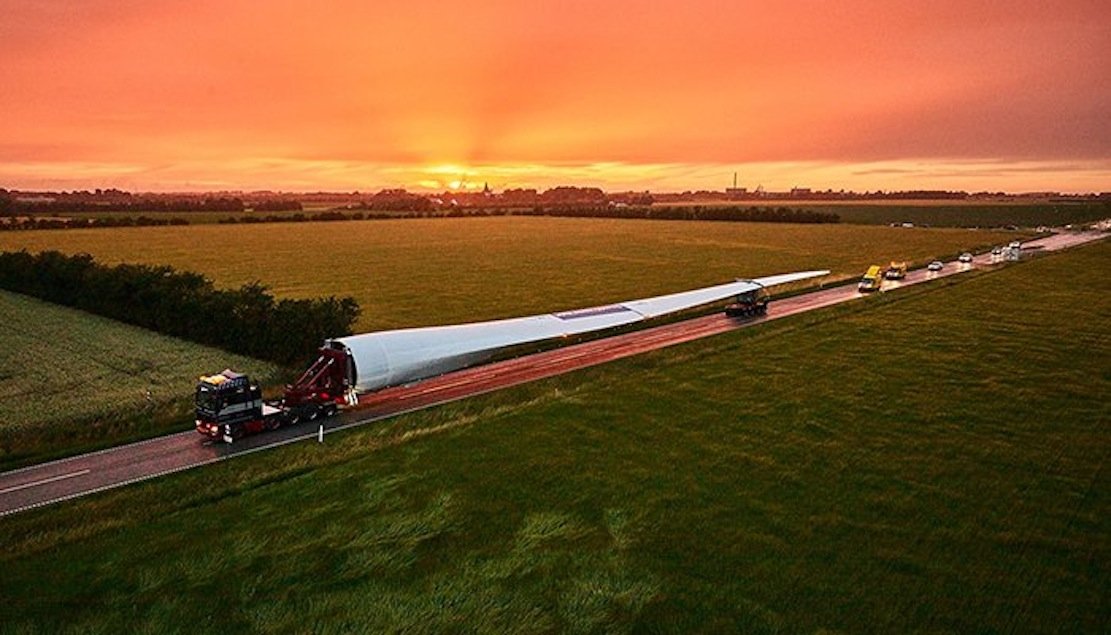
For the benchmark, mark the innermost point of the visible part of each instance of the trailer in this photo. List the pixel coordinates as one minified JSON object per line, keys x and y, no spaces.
{"x":751,"y":303}
{"x":230,"y":406}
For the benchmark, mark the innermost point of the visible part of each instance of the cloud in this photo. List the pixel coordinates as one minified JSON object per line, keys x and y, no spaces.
{"x":340,"y":86}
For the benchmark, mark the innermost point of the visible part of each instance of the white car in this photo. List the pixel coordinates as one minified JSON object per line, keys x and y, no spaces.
{"x":1015,"y":245}
{"x":935,"y":265}
{"x":965,"y":257}
{"x":997,"y":251}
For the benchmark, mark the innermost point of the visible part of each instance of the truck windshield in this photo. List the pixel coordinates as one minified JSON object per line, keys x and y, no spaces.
{"x":206,"y":399}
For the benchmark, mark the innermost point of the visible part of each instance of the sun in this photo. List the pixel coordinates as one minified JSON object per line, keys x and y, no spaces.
{"x":461,"y":177}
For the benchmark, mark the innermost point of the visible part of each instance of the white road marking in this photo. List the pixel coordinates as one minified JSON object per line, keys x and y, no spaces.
{"x":43,"y":481}
{"x":114,"y":448}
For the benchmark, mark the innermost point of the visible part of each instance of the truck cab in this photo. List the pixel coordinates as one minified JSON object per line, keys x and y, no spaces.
{"x":896,"y":271}
{"x":227,"y":400}
{"x":872,"y":280}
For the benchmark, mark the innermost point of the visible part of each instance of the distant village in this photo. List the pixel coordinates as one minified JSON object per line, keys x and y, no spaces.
{"x":22,"y":202}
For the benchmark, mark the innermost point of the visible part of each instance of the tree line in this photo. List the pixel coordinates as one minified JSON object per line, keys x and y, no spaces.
{"x":12,"y":207}
{"x":330,"y":215}
{"x":693,"y":212}
{"x":247,"y":320}
{"x":81,"y":223}
{"x":207,"y":204}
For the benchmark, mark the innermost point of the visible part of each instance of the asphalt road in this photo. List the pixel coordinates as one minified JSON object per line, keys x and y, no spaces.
{"x":61,"y":480}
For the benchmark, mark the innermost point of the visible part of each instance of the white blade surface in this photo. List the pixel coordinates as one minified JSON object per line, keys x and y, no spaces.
{"x":664,"y":304}
{"x":387,"y":358}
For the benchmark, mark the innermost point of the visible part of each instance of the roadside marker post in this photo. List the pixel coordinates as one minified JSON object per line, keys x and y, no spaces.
{"x":320,"y":434}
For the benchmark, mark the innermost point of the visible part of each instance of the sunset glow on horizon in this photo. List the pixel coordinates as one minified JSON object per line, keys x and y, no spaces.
{"x":668,"y":95}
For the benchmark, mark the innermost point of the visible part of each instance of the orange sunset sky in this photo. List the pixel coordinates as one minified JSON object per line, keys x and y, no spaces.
{"x":666,"y":95}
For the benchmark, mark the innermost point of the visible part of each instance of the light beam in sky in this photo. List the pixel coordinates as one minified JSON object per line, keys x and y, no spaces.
{"x":667,"y":95}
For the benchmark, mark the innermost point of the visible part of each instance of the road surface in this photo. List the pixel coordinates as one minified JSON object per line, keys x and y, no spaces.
{"x":65,"y":479}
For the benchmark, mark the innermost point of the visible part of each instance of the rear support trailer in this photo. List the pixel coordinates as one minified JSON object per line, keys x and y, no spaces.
{"x":749,"y":304}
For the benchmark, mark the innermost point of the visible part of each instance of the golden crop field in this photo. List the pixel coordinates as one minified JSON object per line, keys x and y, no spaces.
{"x":428,"y":271}
{"x":66,"y":372}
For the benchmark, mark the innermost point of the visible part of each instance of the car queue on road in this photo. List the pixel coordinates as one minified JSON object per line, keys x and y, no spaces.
{"x":875,"y":276}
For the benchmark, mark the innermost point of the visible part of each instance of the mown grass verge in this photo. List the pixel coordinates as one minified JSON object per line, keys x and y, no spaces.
{"x":931,"y":459}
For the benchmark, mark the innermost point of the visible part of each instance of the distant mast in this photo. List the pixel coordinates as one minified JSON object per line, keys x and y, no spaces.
{"x":735,"y":193}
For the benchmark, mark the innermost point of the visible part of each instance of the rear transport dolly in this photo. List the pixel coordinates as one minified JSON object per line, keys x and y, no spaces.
{"x":749,"y":304}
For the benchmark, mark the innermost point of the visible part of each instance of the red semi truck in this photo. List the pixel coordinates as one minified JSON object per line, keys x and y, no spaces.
{"x":229,"y":406}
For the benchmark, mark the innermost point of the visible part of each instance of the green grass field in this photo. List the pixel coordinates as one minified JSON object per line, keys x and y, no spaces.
{"x":972,"y":215}
{"x":437,"y":271}
{"x":928,"y":460}
{"x":68,"y":377}
{"x":938,"y":213}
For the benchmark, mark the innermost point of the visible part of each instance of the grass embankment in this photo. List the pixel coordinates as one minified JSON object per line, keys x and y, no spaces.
{"x":931,"y":459}
{"x":437,"y":271}
{"x":69,"y":379}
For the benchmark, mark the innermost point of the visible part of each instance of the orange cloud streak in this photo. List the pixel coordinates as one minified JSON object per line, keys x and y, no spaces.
{"x":668,"y":94}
